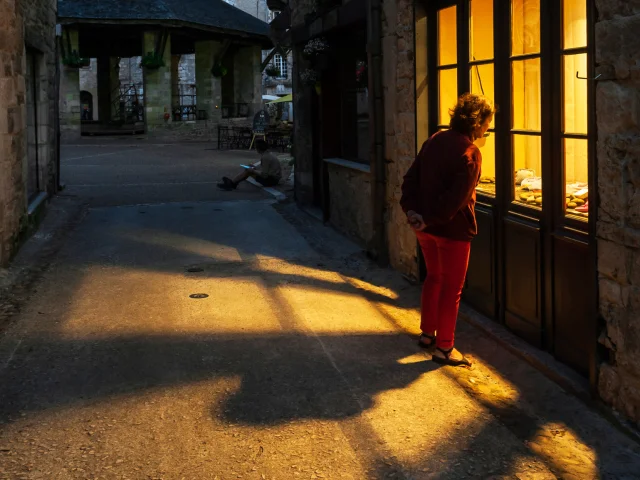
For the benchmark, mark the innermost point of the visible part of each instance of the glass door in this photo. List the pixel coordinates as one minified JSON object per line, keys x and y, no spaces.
{"x":481,"y":81}
{"x":447,"y":60}
{"x":526,"y":103}
{"x":575,"y":115}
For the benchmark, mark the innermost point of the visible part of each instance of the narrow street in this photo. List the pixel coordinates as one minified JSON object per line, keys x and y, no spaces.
{"x":182,"y":332}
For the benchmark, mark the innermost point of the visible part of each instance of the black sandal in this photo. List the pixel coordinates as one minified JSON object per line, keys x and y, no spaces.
{"x":463,"y":362}
{"x":428,"y":337}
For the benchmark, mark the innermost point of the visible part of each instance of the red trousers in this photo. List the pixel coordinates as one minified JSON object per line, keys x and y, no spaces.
{"x":447,"y":262}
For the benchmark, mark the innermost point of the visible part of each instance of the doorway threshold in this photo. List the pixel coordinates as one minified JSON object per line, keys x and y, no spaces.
{"x":36,"y":204}
{"x":563,"y":375}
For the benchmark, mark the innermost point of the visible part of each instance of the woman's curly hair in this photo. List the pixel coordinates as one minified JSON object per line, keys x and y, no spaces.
{"x":470,"y":112}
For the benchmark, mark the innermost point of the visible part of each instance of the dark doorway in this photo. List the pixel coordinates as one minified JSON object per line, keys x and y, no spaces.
{"x":31,"y":84}
{"x":86,"y":101}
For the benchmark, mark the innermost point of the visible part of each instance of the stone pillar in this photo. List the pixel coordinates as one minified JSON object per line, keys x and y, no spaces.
{"x":303,"y":126}
{"x":208,"y":87}
{"x":248,"y":78}
{"x":175,"y":80}
{"x":70,"y":111}
{"x":157,"y":84}
{"x":104,"y":90}
{"x":114,"y":87}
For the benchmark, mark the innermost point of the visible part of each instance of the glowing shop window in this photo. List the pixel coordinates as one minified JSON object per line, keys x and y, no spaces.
{"x":447,"y":37}
{"x":576,"y":164}
{"x":482,"y":82}
{"x":574,"y":14}
{"x":525,"y":27}
{"x":575,"y":94}
{"x":481,"y":30}
{"x":448,"y":91}
{"x":526,"y":94}
{"x":528,"y":169}
{"x":487,"y":147}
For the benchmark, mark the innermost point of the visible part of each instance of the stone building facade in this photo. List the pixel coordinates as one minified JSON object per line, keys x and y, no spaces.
{"x":604,"y":258}
{"x":271,"y":86}
{"x":28,"y":120}
{"x":618,"y":234}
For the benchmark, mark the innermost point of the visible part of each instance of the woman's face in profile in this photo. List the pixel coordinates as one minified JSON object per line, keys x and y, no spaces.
{"x":482,"y":129}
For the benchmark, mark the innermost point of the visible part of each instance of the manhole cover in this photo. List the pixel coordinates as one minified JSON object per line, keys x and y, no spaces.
{"x":195,"y":270}
{"x":198,"y":295}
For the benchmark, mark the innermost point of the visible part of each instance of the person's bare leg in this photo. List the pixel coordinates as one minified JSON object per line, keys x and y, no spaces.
{"x":241,"y":177}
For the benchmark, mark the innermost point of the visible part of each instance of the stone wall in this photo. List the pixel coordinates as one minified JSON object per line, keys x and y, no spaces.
{"x":303,"y":100}
{"x":157,"y":85}
{"x":70,"y":114}
{"x":400,"y":120}
{"x":130,"y":71}
{"x":351,"y":206}
{"x":89,"y":83}
{"x":247,"y":77}
{"x":12,"y":146}
{"x":25,"y":25}
{"x":618,"y":153}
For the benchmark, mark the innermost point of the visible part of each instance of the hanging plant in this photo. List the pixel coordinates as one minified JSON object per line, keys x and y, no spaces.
{"x":218,"y":70}
{"x":272,"y":71}
{"x":315,"y":47}
{"x":152,"y":61}
{"x":74,"y":60}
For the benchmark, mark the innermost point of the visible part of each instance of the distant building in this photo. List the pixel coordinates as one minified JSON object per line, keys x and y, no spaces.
{"x":169,"y":67}
{"x":280,"y":84}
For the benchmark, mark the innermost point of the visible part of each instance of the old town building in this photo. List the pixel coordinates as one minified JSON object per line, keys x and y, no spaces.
{"x":28,"y":116}
{"x":556,"y":260}
{"x":168,"y":68}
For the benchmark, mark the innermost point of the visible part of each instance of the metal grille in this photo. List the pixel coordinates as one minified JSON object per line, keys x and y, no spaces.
{"x":184,"y":102}
{"x":129,"y":104}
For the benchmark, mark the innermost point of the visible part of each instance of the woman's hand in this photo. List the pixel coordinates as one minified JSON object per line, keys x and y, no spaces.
{"x":416,"y":221}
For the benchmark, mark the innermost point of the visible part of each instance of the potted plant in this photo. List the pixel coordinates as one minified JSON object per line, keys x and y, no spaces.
{"x":218,"y":70}
{"x":272,"y":71}
{"x":74,"y":60}
{"x":152,"y":61}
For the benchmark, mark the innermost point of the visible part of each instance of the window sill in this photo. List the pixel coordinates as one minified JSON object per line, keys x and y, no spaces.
{"x":341,"y":162}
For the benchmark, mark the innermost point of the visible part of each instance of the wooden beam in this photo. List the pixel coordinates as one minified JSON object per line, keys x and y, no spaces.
{"x":268,"y":59}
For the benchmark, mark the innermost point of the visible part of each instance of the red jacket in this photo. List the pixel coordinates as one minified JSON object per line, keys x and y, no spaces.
{"x":441,"y":185}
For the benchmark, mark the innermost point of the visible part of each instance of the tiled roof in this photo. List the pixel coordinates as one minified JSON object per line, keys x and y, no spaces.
{"x":208,"y":13}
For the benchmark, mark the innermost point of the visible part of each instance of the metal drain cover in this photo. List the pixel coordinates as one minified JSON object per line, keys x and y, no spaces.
{"x":198,"y":295}
{"x":195,"y":270}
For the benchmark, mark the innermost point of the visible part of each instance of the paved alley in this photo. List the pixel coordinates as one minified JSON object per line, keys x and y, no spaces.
{"x":186,"y":333}
{"x":127,"y":171}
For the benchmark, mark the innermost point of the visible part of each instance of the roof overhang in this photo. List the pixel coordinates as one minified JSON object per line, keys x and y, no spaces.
{"x":235,"y":35}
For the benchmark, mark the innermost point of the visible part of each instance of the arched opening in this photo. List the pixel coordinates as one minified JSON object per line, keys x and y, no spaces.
{"x":86,"y":102}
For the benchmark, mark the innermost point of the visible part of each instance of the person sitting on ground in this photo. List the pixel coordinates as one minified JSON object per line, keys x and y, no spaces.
{"x":268,"y":175}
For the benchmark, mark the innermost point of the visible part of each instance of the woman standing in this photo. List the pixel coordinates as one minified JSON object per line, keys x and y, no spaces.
{"x":438,"y":197}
